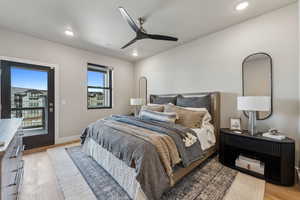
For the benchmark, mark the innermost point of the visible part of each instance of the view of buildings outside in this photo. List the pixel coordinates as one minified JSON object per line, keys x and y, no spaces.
{"x":22,"y":99}
{"x":29,"y":97}
{"x":95,"y":99}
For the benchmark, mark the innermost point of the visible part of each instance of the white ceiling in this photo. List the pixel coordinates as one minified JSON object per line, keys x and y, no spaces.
{"x":99,"y":27}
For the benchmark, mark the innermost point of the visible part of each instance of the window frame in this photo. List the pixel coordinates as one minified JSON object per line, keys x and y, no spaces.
{"x":109,"y":70}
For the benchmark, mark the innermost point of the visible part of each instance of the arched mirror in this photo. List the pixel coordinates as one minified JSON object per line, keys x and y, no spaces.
{"x":143,"y":89}
{"x":257,"y":79}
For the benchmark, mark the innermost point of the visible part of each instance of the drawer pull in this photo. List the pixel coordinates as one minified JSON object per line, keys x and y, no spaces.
{"x":23,"y":148}
{"x":17,"y":153}
{"x":19,"y":167}
{"x":18,"y":176}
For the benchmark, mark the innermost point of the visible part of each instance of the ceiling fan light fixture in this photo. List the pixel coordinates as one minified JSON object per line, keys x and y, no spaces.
{"x":242,"y":6}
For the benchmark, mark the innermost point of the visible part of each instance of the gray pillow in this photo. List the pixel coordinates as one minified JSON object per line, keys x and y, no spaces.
{"x":158,"y":116}
{"x":194,"y":102}
{"x":162,"y":100}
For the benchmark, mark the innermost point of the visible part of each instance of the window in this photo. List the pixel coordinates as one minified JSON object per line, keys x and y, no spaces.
{"x":99,"y":89}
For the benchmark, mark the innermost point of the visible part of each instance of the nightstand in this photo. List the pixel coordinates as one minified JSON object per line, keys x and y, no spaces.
{"x":277,"y":155}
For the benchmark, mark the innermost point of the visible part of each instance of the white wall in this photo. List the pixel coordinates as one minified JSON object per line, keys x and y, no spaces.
{"x":214,"y":63}
{"x":73,"y":116}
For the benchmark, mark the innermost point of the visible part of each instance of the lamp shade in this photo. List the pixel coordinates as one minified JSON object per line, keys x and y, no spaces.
{"x":254,"y":103}
{"x":136,"y":101}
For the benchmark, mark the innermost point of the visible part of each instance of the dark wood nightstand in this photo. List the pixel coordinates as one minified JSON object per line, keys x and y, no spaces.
{"x":277,"y":155}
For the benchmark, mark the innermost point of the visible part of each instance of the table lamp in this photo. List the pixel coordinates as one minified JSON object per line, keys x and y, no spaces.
{"x":253,"y":104}
{"x":136,"y":102}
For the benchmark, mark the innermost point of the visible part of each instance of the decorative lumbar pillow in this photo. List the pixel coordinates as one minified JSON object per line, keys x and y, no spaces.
{"x":202,"y":101}
{"x":153,"y":107}
{"x":157,"y":116}
{"x":186,"y":117}
{"x":154,"y":99}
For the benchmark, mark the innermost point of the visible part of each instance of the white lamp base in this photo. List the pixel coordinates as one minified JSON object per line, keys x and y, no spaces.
{"x":136,"y":111}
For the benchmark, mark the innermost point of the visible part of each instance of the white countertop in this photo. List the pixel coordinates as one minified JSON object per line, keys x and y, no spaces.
{"x":8,"y":129}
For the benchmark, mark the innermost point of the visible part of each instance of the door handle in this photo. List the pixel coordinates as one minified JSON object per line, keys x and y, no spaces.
{"x":51,"y":107}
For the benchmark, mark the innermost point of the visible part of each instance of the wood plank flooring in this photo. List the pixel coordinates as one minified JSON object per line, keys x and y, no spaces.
{"x":40,"y":183}
{"x":274,"y":192}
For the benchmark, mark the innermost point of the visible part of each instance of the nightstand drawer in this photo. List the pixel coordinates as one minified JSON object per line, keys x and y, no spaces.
{"x":259,"y":146}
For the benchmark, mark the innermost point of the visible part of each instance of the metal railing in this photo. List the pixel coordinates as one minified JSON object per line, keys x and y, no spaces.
{"x":33,"y":117}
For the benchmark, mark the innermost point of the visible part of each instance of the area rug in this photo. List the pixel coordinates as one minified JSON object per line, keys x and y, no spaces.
{"x":87,"y":179}
{"x":208,"y":182}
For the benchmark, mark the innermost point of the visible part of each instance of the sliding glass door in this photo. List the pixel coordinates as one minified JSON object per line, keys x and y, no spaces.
{"x":27,"y":91}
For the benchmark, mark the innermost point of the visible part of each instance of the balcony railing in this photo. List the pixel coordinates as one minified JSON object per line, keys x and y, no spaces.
{"x":33,"y":117}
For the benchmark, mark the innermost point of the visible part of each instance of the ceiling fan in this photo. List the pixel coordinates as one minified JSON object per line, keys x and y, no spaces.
{"x":140,"y":31}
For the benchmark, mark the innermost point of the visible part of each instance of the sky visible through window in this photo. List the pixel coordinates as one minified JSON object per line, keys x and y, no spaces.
{"x":34,"y":79}
{"x":26,"y":78}
{"x":95,"y":79}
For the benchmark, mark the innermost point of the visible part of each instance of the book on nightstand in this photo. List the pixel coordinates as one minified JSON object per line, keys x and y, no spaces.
{"x":250,"y":164}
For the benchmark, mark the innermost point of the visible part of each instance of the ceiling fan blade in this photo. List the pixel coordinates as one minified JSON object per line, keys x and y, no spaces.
{"x":129,"y":43}
{"x":129,"y":20}
{"x":161,"y":37}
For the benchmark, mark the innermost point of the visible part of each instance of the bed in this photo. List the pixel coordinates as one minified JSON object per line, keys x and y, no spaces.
{"x":108,"y":152}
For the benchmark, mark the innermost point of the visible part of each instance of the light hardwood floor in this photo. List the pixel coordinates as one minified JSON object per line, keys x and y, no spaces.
{"x":274,"y":192}
{"x":40,"y":183}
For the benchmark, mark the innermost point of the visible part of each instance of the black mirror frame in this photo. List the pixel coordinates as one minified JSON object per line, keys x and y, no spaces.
{"x":271,"y":79}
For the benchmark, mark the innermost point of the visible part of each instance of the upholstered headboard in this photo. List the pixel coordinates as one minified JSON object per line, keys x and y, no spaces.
{"x":210,"y":100}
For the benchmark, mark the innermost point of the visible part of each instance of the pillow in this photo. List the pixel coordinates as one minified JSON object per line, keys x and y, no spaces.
{"x":153,"y":107}
{"x":154,"y":99}
{"x":203,"y":101}
{"x":157,"y":116}
{"x":207,"y":117}
{"x":185,"y":117}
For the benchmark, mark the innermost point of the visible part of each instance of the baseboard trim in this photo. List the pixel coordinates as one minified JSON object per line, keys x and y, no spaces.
{"x":61,"y":140}
{"x":45,"y":148}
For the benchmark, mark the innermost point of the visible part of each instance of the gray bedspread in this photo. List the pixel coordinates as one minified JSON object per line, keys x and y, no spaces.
{"x":150,"y":172}
{"x":175,"y":131}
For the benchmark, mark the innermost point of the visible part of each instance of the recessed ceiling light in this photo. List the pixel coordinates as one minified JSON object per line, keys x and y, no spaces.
{"x":69,"y":33}
{"x":135,"y":53}
{"x":242,"y":6}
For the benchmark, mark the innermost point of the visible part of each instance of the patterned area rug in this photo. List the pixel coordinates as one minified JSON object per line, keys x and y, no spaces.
{"x":209,"y":181}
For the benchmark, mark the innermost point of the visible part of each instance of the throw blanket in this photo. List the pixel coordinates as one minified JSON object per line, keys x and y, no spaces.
{"x":164,"y":145}
{"x":133,"y":141}
{"x":177,"y":132}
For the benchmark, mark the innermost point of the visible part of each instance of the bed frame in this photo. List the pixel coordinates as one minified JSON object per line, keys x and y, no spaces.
{"x":131,"y":185}
{"x":215,"y":113}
